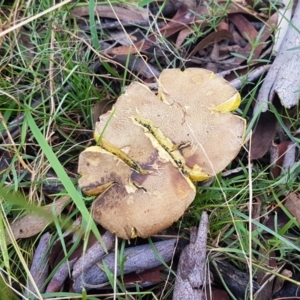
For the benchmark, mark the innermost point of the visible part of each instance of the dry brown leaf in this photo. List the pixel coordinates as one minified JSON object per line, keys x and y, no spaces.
{"x":282,"y":157}
{"x":264,"y":278}
{"x":245,"y":27}
{"x":248,"y":51}
{"x":182,"y":18}
{"x":179,"y":22}
{"x":183,"y":34}
{"x":263,"y":135}
{"x":279,"y":281}
{"x":101,"y":107}
{"x":212,"y":38}
{"x":126,"y":13}
{"x":35,"y":222}
{"x":148,"y":277}
{"x":292,"y":204}
{"x":216,"y":294}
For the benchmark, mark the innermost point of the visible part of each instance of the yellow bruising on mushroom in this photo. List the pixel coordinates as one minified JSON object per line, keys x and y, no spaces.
{"x":119,"y":153}
{"x":196,"y":174}
{"x":230,"y":105}
{"x":134,"y":233}
{"x":158,"y":139}
{"x":97,"y":190}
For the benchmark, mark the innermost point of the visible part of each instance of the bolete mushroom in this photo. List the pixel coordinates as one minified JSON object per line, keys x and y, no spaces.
{"x":150,"y":148}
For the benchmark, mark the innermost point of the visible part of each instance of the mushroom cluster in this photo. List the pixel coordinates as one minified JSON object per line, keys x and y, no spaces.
{"x":151,"y":148}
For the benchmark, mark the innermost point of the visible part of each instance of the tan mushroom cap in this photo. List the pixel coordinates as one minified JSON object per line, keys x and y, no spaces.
{"x":216,"y":135}
{"x":194,"y":111}
{"x":134,"y":204}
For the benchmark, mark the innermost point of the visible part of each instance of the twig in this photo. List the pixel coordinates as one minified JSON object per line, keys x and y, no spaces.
{"x":39,"y":267}
{"x":135,"y":259}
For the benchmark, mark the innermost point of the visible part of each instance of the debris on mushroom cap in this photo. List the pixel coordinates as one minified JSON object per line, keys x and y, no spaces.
{"x":151,"y":147}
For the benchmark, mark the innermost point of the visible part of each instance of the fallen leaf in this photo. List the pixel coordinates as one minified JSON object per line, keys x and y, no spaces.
{"x":244,"y":26}
{"x":248,"y":52}
{"x":292,"y":204}
{"x":279,"y":280}
{"x":264,"y":278}
{"x":212,"y":38}
{"x":282,"y":157}
{"x":263,"y":135}
{"x":216,"y":294}
{"x":153,"y":147}
{"x":34,"y":222}
{"x":183,"y":34}
{"x":128,"y":13}
{"x":290,"y":290}
{"x":182,"y":18}
{"x":148,"y":277}
{"x":101,"y":107}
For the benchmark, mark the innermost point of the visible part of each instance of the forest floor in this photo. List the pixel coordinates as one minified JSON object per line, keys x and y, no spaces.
{"x":65,"y":64}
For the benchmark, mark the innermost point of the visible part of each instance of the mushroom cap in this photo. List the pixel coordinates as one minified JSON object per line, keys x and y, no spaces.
{"x":192,"y":109}
{"x":152,"y":146}
{"x":134,"y":204}
{"x":216,"y":135}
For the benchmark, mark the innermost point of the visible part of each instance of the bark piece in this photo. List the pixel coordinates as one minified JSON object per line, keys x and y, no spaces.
{"x":191,"y":268}
{"x":136,"y":259}
{"x":60,"y":276}
{"x":249,"y":77}
{"x":39,"y":267}
{"x":236,"y":280}
{"x":283,"y":77}
{"x":93,"y":254}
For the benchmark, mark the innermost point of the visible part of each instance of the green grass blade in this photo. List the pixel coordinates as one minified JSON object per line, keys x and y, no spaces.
{"x":61,"y":173}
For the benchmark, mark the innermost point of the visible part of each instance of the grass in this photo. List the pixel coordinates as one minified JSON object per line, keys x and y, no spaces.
{"x":47,"y":81}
